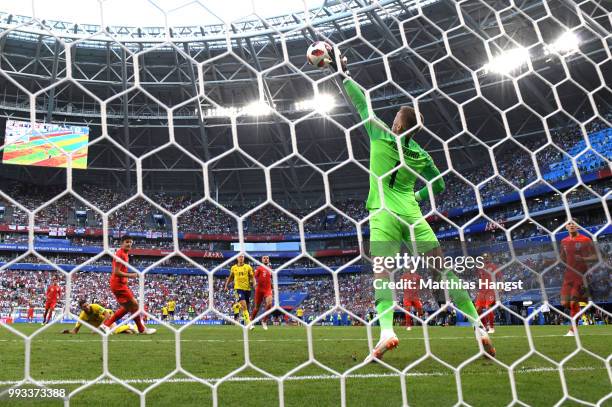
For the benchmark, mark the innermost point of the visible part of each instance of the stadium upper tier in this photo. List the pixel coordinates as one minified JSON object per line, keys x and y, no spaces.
{"x":140,"y":89}
{"x":207,"y":219}
{"x":500,"y":199}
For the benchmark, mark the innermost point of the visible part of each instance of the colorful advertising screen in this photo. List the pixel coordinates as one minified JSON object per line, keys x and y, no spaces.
{"x":45,"y":145}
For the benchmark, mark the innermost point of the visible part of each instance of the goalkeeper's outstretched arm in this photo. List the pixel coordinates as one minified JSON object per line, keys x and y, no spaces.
{"x":405,"y":119}
{"x":358,"y":99}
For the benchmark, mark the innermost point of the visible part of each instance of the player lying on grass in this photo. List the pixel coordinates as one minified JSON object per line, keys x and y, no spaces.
{"x":93,"y":314}
{"x":389,"y":226}
{"x":242,"y":276}
{"x":263,"y":289}
{"x":123,"y":294}
{"x":127,"y":329}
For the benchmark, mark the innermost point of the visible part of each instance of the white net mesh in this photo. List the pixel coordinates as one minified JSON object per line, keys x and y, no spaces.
{"x":516,"y":104}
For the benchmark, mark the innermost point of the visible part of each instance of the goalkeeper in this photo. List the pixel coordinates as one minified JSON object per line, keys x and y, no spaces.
{"x":389,"y":226}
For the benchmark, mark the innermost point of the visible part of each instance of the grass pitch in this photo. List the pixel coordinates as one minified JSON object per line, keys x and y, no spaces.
{"x":212,"y":353}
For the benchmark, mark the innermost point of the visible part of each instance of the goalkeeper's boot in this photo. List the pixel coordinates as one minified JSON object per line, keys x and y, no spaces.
{"x":384,"y":345}
{"x":148,"y":331}
{"x":485,"y":340}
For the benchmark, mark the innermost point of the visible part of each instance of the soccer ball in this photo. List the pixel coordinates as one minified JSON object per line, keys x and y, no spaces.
{"x":319,"y":54}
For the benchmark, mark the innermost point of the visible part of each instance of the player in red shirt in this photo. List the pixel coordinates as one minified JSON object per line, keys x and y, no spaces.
{"x":576,"y":251}
{"x":30,"y":312}
{"x":53,"y":293}
{"x":263,"y":289}
{"x":486,"y":296}
{"x":123,"y":294}
{"x":412,"y":296}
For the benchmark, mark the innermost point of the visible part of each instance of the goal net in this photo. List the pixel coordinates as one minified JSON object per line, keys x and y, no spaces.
{"x":209,"y":141}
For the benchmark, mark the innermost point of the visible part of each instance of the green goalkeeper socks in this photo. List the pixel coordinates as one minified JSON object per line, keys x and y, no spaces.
{"x":462,"y":298}
{"x":384,"y":305}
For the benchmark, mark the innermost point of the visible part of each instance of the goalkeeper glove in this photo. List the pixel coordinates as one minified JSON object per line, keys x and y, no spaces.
{"x":339,"y":58}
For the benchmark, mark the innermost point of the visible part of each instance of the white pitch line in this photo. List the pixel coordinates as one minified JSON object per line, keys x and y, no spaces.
{"x":291,"y":378}
{"x":448,"y":338}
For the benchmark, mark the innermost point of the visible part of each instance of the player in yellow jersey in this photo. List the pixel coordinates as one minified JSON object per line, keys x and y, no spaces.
{"x":243,"y":278}
{"x":171,"y":307}
{"x":164,"y":313}
{"x":93,"y":314}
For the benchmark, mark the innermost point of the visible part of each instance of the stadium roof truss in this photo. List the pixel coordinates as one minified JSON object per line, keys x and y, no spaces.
{"x":172,"y":62}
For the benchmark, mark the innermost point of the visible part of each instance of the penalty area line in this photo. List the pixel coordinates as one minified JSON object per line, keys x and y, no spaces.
{"x":291,"y":378}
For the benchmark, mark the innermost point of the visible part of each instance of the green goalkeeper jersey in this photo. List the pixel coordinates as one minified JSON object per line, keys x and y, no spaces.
{"x":397,"y":186}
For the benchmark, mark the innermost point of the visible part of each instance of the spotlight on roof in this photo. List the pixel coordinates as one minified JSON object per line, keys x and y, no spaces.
{"x":566,"y":44}
{"x":252,"y":109}
{"x":256,"y":109}
{"x":508,"y":61}
{"x":322,"y":104}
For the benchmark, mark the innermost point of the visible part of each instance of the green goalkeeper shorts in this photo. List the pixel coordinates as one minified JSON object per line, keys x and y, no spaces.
{"x":388,"y":232}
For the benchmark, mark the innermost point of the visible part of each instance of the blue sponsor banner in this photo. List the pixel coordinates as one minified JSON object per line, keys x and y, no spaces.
{"x":22,"y":247}
{"x":291,"y":298}
{"x":53,"y":241}
{"x":323,"y":235}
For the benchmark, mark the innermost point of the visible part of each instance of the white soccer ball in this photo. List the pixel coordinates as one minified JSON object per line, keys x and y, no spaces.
{"x":320,"y":54}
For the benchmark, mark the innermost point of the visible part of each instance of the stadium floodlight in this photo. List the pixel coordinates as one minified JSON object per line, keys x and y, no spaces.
{"x":256,"y":109}
{"x":508,"y":61}
{"x":220,"y":111}
{"x":252,"y":109}
{"x":322,"y":104}
{"x":566,"y":44}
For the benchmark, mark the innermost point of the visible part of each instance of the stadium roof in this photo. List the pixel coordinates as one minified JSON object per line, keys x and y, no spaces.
{"x":151,"y":13}
{"x":33,"y":56}
{"x":153,"y":21}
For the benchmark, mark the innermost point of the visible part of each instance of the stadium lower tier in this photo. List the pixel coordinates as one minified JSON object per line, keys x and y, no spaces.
{"x":314,"y":294}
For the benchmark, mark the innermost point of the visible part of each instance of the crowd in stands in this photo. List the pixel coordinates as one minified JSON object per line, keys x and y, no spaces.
{"x":514,"y":163}
{"x":20,"y":288}
{"x":174,"y":261}
{"x":273,"y":221}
